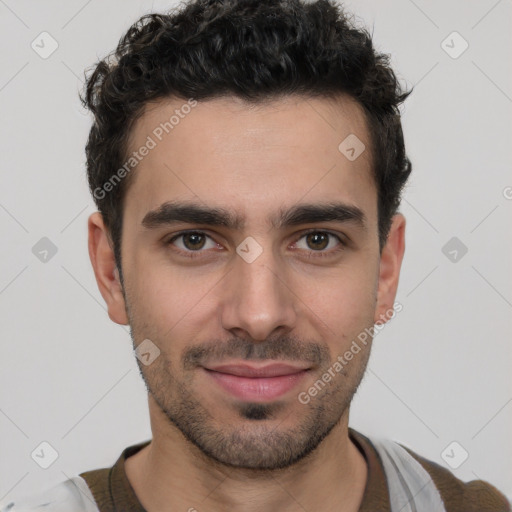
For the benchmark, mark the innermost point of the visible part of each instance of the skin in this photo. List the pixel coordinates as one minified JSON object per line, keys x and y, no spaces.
{"x":210,"y":450}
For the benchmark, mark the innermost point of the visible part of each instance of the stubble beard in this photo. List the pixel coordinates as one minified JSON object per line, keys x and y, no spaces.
{"x":258,"y":441}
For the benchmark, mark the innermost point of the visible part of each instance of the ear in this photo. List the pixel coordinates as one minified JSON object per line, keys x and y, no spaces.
{"x":389,"y":269}
{"x":105,"y":270}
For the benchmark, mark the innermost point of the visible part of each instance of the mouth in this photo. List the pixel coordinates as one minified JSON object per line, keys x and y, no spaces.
{"x":254,"y":383}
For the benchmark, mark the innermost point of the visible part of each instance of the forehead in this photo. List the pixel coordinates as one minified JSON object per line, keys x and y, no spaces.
{"x":253,"y":159}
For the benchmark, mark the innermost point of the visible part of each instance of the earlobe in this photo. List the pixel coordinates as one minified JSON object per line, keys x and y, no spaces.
{"x":389,"y":269}
{"x":106,"y":273}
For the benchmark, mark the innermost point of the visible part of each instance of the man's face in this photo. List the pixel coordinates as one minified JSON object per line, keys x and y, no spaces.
{"x":248,"y":315}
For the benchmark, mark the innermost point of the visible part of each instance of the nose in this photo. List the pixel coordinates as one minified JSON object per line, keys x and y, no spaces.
{"x":257,"y":300}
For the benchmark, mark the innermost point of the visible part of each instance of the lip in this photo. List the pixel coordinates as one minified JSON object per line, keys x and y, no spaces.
{"x":257,"y":383}
{"x":249,"y":370}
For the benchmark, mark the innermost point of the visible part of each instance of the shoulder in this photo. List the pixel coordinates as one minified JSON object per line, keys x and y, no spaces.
{"x":474,"y":496}
{"x":416,"y":483}
{"x":72,"y":495}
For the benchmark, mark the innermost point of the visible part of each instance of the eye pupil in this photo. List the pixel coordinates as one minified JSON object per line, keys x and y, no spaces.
{"x":193,"y":241}
{"x":318,"y":238}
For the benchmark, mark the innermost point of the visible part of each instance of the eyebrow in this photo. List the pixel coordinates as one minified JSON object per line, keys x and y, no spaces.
{"x":171,"y":212}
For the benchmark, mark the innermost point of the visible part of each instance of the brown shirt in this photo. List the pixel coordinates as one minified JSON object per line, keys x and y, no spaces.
{"x":113,"y":493}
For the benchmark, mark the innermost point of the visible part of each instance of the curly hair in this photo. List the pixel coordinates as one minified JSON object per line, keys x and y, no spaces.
{"x":257,"y":50}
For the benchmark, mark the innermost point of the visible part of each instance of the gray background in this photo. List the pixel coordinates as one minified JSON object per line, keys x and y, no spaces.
{"x":440,"y":370}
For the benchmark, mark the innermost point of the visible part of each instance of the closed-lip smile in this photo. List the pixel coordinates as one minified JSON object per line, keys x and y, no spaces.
{"x":257,"y":382}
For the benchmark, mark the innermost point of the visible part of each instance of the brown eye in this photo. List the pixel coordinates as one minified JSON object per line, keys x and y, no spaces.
{"x":320,"y":243}
{"x":194,"y":241}
{"x":317,"y":241}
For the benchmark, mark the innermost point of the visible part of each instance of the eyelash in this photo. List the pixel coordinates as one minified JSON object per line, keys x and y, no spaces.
{"x":315,"y":254}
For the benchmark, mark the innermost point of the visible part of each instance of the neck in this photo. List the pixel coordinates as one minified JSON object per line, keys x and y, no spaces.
{"x":173,"y":474}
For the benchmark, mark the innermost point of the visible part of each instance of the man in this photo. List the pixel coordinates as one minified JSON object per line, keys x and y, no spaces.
{"x":247,"y":161}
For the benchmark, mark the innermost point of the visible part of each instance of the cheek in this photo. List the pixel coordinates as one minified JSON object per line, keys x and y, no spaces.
{"x":168,"y":299}
{"x":345,"y":300}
